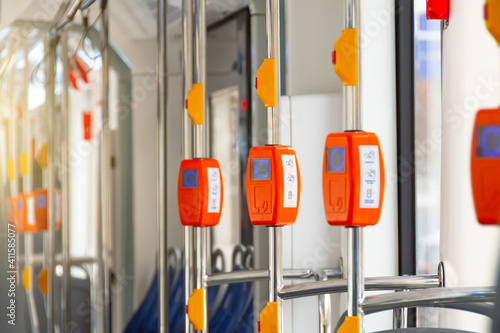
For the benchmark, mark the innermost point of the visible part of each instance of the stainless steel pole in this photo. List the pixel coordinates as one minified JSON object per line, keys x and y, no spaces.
{"x":273,"y":51}
{"x":200,"y":143}
{"x":187,"y":146}
{"x":431,"y":297}
{"x":371,"y":284}
{"x":254,"y":275}
{"x":105,"y":169}
{"x":273,"y":138}
{"x":51,"y":178}
{"x":352,"y":95}
{"x":66,"y":223}
{"x":163,"y":318}
{"x":355,"y":281}
{"x":200,"y":70}
{"x":28,"y":188}
{"x":325,"y":309}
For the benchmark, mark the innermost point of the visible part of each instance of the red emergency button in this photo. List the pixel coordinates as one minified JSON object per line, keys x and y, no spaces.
{"x":438,"y":10}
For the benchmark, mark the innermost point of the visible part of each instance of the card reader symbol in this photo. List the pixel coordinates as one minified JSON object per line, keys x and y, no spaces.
{"x":265,"y":207}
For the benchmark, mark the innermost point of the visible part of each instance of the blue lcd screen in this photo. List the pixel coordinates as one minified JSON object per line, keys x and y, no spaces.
{"x":260,"y":169}
{"x":189,"y":178}
{"x":488,"y":141}
{"x":335,"y":159}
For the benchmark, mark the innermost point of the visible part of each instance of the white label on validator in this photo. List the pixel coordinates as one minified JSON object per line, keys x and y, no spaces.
{"x":290,"y":181}
{"x":369,"y":192}
{"x":30,"y":210}
{"x":214,"y":189}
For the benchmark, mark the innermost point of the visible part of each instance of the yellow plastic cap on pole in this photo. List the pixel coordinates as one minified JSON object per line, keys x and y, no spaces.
{"x":269,"y":319}
{"x":43,"y":156}
{"x":24,"y":164}
{"x":43,"y":279}
{"x":194,"y":104}
{"x":195,"y":310}
{"x":345,"y":57}
{"x":11,"y":169}
{"x":492,"y":17}
{"x":25,"y":278}
{"x":265,"y":83}
{"x":350,"y":325}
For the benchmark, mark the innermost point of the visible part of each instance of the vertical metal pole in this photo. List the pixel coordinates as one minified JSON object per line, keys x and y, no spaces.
{"x":355,"y":285}
{"x":405,"y":118}
{"x":188,"y":271}
{"x":400,"y":318}
{"x":352,"y":94}
{"x":201,"y":266}
{"x":187,"y":147}
{"x":51,"y":177}
{"x":200,"y":70}
{"x":352,"y":105}
{"x":66,"y":223}
{"x":273,"y":138}
{"x":325,"y":309}
{"x":275,"y":269}
{"x":163,"y":318}
{"x":200,"y":147}
{"x":28,"y":188}
{"x":273,"y":51}
{"x":105,"y":169}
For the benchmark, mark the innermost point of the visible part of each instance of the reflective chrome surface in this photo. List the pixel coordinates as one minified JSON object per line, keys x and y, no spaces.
{"x":65,"y":190}
{"x":431,"y":297}
{"x":163,"y":292}
{"x":340,"y":286}
{"x":254,"y":275}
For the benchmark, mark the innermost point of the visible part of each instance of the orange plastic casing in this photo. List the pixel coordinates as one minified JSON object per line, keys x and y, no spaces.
{"x":485,"y":163}
{"x":200,"y":192}
{"x":41,"y":212}
{"x":273,"y":185}
{"x":353,"y":179}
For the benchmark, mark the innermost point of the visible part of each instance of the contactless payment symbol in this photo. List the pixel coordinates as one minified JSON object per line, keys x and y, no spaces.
{"x":335,"y":161}
{"x":189,"y":178}
{"x":260,"y":169}
{"x":41,"y":202}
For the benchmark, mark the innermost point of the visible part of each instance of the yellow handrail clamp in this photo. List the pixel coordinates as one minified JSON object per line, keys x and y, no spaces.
{"x":269,"y":319}
{"x":24,"y":164}
{"x":265,"y":83}
{"x":11,"y":169}
{"x":492,"y":17}
{"x":345,"y":57}
{"x":43,"y":156}
{"x":195,"y":309}
{"x":194,"y":104}
{"x":350,"y":325}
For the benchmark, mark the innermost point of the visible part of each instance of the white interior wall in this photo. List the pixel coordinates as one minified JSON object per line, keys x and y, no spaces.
{"x":312,"y":27}
{"x":470,"y":82}
{"x":378,"y":84}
